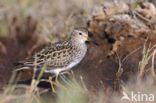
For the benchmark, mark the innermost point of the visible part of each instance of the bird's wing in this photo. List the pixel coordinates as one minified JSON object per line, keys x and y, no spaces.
{"x":54,"y":56}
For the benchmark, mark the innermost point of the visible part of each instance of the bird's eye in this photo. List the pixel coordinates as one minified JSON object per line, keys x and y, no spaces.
{"x":80,"y":33}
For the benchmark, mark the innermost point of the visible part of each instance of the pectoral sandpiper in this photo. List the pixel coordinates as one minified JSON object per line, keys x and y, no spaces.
{"x":60,"y":56}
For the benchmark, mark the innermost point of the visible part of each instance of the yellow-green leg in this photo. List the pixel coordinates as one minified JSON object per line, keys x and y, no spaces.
{"x":58,"y":83}
{"x":51,"y":83}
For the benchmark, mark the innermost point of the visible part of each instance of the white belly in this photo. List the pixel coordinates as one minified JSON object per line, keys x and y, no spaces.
{"x":58,"y":70}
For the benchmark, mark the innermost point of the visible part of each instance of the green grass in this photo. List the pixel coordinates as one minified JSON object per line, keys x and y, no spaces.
{"x":73,"y":93}
{"x":136,"y":3}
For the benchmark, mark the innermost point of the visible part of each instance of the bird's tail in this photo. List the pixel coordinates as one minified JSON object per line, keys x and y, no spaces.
{"x":20,"y":66}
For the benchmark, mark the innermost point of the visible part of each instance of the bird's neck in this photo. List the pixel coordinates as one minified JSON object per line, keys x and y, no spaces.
{"x":77,"y":42}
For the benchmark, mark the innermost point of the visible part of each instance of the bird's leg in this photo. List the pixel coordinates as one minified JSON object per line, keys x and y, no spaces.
{"x":51,"y":83}
{"x":58,"y":83}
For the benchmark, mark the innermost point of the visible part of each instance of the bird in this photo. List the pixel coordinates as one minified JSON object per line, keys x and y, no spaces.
{"x":60,"y":56}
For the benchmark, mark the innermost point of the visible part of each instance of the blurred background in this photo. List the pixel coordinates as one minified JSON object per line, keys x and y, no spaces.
{"x":47,"y":18}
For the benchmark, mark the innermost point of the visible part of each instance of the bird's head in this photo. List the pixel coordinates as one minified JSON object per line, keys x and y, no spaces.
{"x":80,"y":35}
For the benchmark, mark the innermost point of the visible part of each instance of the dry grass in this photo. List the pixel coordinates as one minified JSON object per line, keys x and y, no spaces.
{"x":55,"y":18}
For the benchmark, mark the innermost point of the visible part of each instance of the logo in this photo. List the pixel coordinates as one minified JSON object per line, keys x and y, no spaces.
{"x":140,"y":97}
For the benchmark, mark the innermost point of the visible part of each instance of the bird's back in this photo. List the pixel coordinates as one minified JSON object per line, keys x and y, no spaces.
{"x":58,"y":55}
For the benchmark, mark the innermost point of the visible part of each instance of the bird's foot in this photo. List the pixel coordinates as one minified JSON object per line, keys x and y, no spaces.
{"x":51,"y":83}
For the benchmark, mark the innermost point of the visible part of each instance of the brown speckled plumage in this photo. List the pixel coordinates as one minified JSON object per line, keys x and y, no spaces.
{"x":62,"y":55}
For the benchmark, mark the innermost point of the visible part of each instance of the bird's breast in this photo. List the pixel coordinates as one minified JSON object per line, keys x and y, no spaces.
{"x":78,"y":55}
